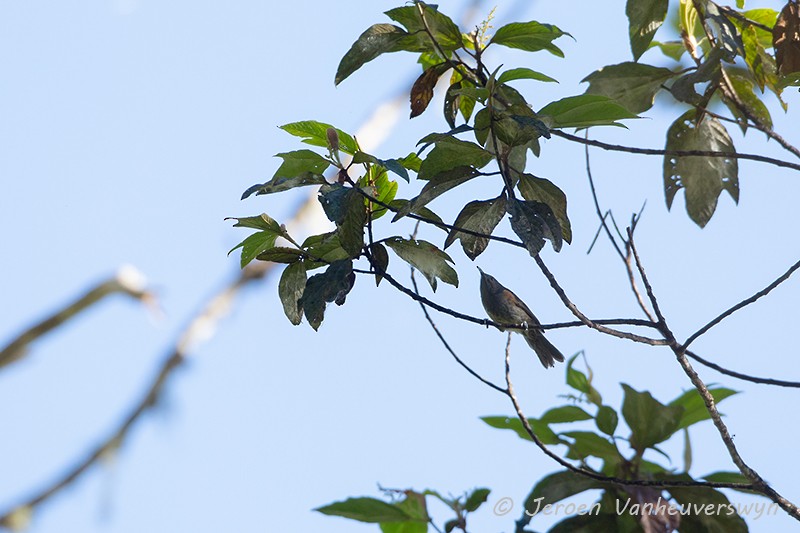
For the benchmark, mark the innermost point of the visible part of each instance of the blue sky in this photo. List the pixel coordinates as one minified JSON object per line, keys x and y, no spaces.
{"x":130,"y":129}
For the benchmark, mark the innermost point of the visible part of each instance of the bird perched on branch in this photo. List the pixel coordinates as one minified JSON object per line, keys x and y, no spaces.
{"x":505,"y":307}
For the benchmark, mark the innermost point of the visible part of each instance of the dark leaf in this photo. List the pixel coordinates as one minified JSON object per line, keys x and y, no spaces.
{"x":560,"y":486}
{"x":533,"y":222}
{"x":634,"y":85}
{"x":585,"y":110}
{"x":644,"y":18}
{"x":444,"y":30}
{"x":380,"y":260}
{"x":742,"y":86}
{"x":278,"y":184}
{"x":475,"y":499}
{"x":330,"y":286}
{"x":529,"y":36}
{"x":439,"y":184}
{"x":425,"y":257}
{"x":725,"y":518}
{"x":290,"y":290}
{"x":589,"y":444}
{"x":378,"y":39}
{"x":545,"y":191}
{"x":436,"y":137}
{"x":316,"y":134}
{"x":450,"y":153}
{"x":650,"y":421}
{"x":726,"y":33}
{"x":393,"y":165}
{"x":281,"y":254}
{"x":480,"y":217}
{"x":703,"y":178}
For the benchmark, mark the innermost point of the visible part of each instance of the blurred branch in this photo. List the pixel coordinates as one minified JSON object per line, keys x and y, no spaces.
{"x":127,"y":281}
{"x":199,"y":329}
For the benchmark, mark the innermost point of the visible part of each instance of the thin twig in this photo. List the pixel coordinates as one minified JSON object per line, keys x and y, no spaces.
{"x":739,"y":375}
{"x":678,"y":153}
{"x":447,"y":345}
{"x":680,"y":353}
{"x":584,"y":319}
{"x":766,"y":290}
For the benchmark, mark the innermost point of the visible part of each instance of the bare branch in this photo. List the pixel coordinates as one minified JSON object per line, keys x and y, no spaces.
{"x":766,"y":290}
{"x":739,"y":375}
{"x":680,"y":153}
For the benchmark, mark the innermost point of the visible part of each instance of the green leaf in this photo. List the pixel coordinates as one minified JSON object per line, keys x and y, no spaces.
{"x":281,"y":254}
{"x":262,"y":222}
{"x":450,"y":153}
{"x":606,"y":420}
{"x":564,"y":414}
{"x":404,"y":527}
{"x":393,"y":165}
{"x":301,"y":162}
{"x":533,"y":222}
{"x":345,"y":207}
{"x":378,"y":39}
{"x":253,"y":245}
{"x":278,"y":184}
{"x":323,"y":249}
{"x":694,"y":408}
{"x":644,"y":18}
{"x":578,"y":381}
{"x":529,"y":36}
{"x":424,"y":212}
{"x":672,"y":49}
{"x":650,"y":421}
{"x":444,"y":30}
{"x":369,"y":510}
{"x":727,"y":477}
{"x":333,"y":285}
{"x":540,"y":429}
{"x":426,"y":258}
{"x":475,"y":499}
{"x":437,"y":185}
{"x":523,"y":74}
{"x":316,"y":134}
{"x":760,"y":63}
{"x":587,"y":443}
{"x":480,"y":216}
{"x":742,"y":85}
{"x":634,"y":85}
{"x":703,"y":178}
{"x":585,"y":110}
{"x":542,"y":190}
{"x":290,"y":290}
{"x":386,"y":190}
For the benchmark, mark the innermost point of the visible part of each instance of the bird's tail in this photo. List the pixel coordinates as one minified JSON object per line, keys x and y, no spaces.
{"x":548,"y":354}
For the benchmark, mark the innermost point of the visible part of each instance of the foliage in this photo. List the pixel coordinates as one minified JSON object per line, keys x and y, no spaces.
{"x":722,"y":55}
{"x":591,"y":437}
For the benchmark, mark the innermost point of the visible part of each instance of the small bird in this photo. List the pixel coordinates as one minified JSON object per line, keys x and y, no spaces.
{"x":505,"y":307}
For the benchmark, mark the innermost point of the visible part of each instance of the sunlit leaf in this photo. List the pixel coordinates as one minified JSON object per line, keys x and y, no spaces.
{"x":425,"y":257}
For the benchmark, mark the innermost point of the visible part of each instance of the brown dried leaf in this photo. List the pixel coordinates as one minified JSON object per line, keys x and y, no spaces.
{"x":786,"y":39}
